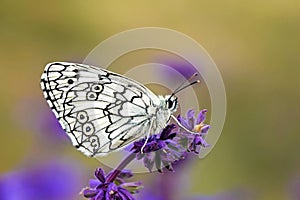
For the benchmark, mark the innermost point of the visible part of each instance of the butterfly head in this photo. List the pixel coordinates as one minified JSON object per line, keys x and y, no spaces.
{"x":170,"y":103}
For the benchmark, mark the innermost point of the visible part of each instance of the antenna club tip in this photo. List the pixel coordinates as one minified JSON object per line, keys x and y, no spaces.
{"x":195,"y":74}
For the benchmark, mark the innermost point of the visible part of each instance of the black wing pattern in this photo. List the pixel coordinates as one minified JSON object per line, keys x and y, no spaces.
{"x":101,"y":111}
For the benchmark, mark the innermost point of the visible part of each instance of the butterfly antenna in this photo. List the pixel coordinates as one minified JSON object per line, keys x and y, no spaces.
{"x":182,"y":88}
{"x":179,"y":88}
{"x":189,"y":79}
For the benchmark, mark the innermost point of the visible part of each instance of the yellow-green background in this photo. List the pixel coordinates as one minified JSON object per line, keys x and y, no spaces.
{"x":256,"y":45}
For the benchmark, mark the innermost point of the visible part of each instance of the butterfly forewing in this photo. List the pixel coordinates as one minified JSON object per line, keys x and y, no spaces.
{"x":101,"y":111}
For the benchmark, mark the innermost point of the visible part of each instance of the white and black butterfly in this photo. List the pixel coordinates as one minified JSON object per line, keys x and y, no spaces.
{"x":102,"y":111}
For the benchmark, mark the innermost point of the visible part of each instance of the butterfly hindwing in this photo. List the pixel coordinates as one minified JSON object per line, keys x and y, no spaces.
{"x":101,"y":111}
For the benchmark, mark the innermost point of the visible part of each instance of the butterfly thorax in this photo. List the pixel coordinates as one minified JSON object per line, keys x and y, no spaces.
{"x":167,"y":106}
{"x":168,"y":102}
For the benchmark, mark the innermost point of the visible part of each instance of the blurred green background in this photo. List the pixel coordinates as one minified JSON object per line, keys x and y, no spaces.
{"x":255,"y":44}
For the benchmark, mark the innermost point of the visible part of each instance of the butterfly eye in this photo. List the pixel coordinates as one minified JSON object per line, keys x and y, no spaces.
{"x":170,"y":103}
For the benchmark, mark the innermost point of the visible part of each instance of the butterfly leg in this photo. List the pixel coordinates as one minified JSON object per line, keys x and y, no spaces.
{"x":181,"y":126}
{"x":147,"y":137}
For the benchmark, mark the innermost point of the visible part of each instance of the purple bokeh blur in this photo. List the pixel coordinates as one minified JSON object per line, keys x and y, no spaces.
{"x":36,"y":117}
{"x":183,"y":67}
{"x":51,"y":180}
{"x":44,"y":176}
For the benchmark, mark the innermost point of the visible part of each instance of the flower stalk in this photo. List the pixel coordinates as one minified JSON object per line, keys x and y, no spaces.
{"x":120,"y":167}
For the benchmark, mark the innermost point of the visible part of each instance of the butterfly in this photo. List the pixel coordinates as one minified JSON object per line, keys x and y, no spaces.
{"x":102,"y":111}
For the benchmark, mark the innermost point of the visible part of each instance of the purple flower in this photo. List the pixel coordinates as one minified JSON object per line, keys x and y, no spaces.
{"x":171,"y":145}
{"x":193,"y":142}
{"x":160,"y":149}
{"x":104,"y":189}
{"x":49,"y":181}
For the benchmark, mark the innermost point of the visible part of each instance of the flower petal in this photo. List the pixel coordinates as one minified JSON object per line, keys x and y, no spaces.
{"x":89,"y":193}
{"x":94,"y":183}
{"x":201,"y":116}
{"x":125,"y":173}
{"x":183,"y":122}
{"x":125,"y":194}
{"x":191,"y":119}
{"x":100,"y":195}
{"x":100,"y":174}
{"x":132,"y":187}
{"x":204,"y":129}
{"x":166,"y":131}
